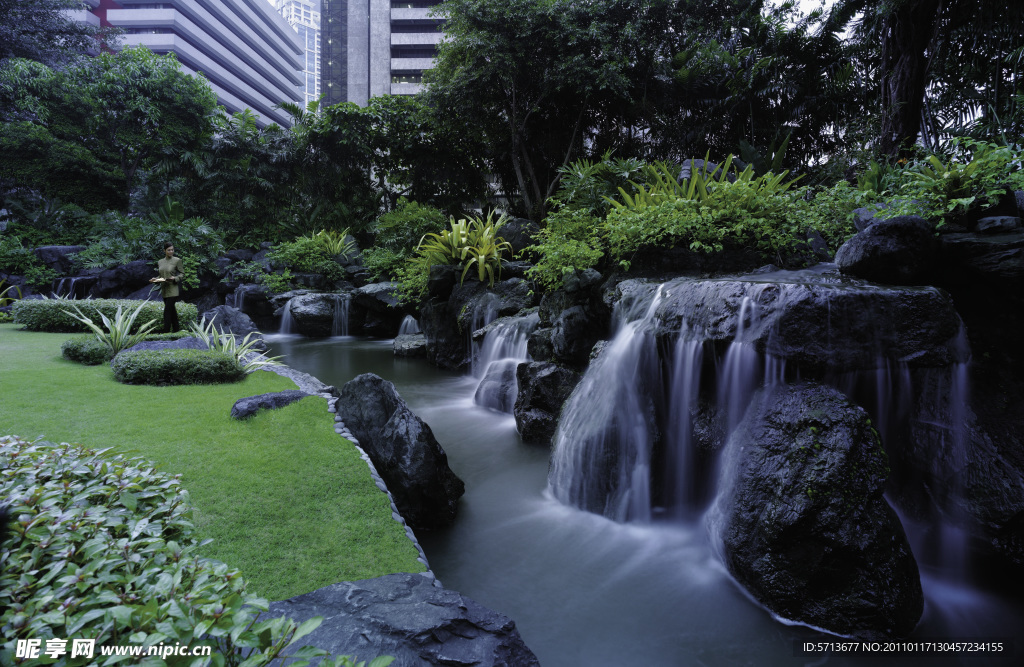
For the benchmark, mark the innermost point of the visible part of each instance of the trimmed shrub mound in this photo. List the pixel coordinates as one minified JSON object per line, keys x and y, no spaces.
{"x":85,"y":350}
{"x":102,"y":547}
{"x":164,"y":367}
{"x":49,"y":315}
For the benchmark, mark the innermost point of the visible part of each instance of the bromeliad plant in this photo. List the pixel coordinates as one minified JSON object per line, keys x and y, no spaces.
{"x":116,"y":333}
{"x":472,"y":243}
{"x":245,"y":352}
{"x":469,"y":243}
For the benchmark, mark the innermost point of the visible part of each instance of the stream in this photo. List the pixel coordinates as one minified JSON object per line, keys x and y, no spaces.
{"x":588,"y":591}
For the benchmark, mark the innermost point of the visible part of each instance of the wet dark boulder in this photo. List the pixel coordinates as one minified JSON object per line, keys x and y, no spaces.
{"x":250,"y":405}
{"x":410,"y":345}
{"x":448,"y":324}
{"x":404,"y":451}
{"x":897,"y":251}
{"x":376,"y":309}
{"x":801,"y":521}
{"x":497,"y":390}
{"x":519,"y":232}
{"x":543,"y":389}
{"x":60,"y":258}
{"x":574,"y":333}
{"x":121,"y":281}
{"x":317,"y":314}
{"x":186,"y":343}
{"x":409,"y":618}
{"x":820,"y":322}
{"x":230,"y":320}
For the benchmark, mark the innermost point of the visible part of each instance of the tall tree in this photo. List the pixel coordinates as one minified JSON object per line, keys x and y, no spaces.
{"x":118,"y":113}
{"x":43,"y":31}
{"x":533,"y":78}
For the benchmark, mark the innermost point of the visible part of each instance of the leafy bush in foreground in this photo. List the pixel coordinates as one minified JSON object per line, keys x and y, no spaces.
{"x":167,"y":367}
{"x":102,"y":547}
{"x":50,"y":314}
{"x":85,"y":350}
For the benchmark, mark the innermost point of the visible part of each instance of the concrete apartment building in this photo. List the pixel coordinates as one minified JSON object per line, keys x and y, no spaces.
{"x":304,"y":17}
{"x":376,"y":47}
{"x":251,"y":56}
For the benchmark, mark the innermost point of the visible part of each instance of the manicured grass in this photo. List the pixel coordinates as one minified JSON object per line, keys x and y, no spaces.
{"x":285,"y":499}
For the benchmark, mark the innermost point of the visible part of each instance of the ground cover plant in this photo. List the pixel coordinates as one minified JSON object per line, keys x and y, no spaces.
{"x":102,"y":546}
{"x":243,"y":477}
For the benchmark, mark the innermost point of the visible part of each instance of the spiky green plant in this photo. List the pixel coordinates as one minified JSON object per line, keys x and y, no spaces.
{"x":244,"y":352}
{"x":116,"y":333}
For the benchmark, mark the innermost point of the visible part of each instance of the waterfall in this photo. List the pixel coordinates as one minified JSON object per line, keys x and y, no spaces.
{"x":287,"y":324}
{"x":496,"y":358}
{"x":602,"y":455}
{"x":64,"y":288}
{"x":640,"y":434}
{"x":409,"y":326}
{"x":339,"y":325}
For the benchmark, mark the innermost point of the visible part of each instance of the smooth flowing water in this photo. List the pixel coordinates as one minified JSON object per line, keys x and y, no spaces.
{"x":588,"y":591}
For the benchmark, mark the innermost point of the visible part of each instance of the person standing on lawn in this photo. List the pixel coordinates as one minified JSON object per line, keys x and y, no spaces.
{"x":171,"y":271}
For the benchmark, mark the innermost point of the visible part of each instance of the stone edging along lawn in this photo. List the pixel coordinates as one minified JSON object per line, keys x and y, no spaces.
{"x":282,"y":502}
{"x":312,"y":385}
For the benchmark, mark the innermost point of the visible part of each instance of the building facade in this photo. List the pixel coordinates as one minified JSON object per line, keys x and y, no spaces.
{"x":247,"y":51}
{"x":304,"y":17}
{"x":376,"y":47}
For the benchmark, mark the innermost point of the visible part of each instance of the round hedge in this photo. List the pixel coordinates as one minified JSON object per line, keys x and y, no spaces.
{"x":165,"y":367}
{"x":85,"y":350}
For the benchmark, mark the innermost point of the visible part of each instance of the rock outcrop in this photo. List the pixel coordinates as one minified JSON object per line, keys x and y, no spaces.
{"x":407,"y":617}
{"x":404,"y":451}
{"x":250,"y":405}
{"x":543,"y":389}
{"x":897,"y":251}
{"x":801,"y":521}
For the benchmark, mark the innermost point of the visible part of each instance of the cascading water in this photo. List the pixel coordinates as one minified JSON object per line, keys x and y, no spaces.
{"x":65,"y":287}
{"x":287,"y":323}
{"x":496,"y":358}
{"x":409,"y":326}
{"x":339,"y":325}
{"x":587,"y":591}
{"x":602,"y":455}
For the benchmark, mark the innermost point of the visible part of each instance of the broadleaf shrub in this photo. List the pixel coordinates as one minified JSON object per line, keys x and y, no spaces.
{"x":169,"y":367}
{"x":86,"y":350}
{"x":397,"y":233}
{"x":103,"y":547}
{"x":50,"y":315}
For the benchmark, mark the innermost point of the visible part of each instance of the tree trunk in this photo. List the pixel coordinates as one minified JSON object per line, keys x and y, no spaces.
{"x":906,"y":34}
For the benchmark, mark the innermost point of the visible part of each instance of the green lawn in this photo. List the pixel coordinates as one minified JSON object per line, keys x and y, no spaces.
{"x":285,"y":499}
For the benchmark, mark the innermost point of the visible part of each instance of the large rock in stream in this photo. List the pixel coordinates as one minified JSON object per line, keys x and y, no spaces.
{"x":801,"y":521}
{"x":408,"y":618}
{"x":317,"y":314}
{"x":404,"y":451}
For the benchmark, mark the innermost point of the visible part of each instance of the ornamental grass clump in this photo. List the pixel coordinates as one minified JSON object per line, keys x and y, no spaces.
{"x":117,"y":333}
{"x":244,"y":352}
{"x":102,"y":547}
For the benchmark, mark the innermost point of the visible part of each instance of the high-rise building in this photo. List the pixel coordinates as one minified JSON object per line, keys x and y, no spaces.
{"x":376,"y":47}
{"x":304,"y":16}
{"x":247,"y":51}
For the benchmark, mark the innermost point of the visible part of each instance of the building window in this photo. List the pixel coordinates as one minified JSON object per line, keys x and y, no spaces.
{"x":416,"y":26}
{"x":410,"y":76}
{"x":400,"y":51}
